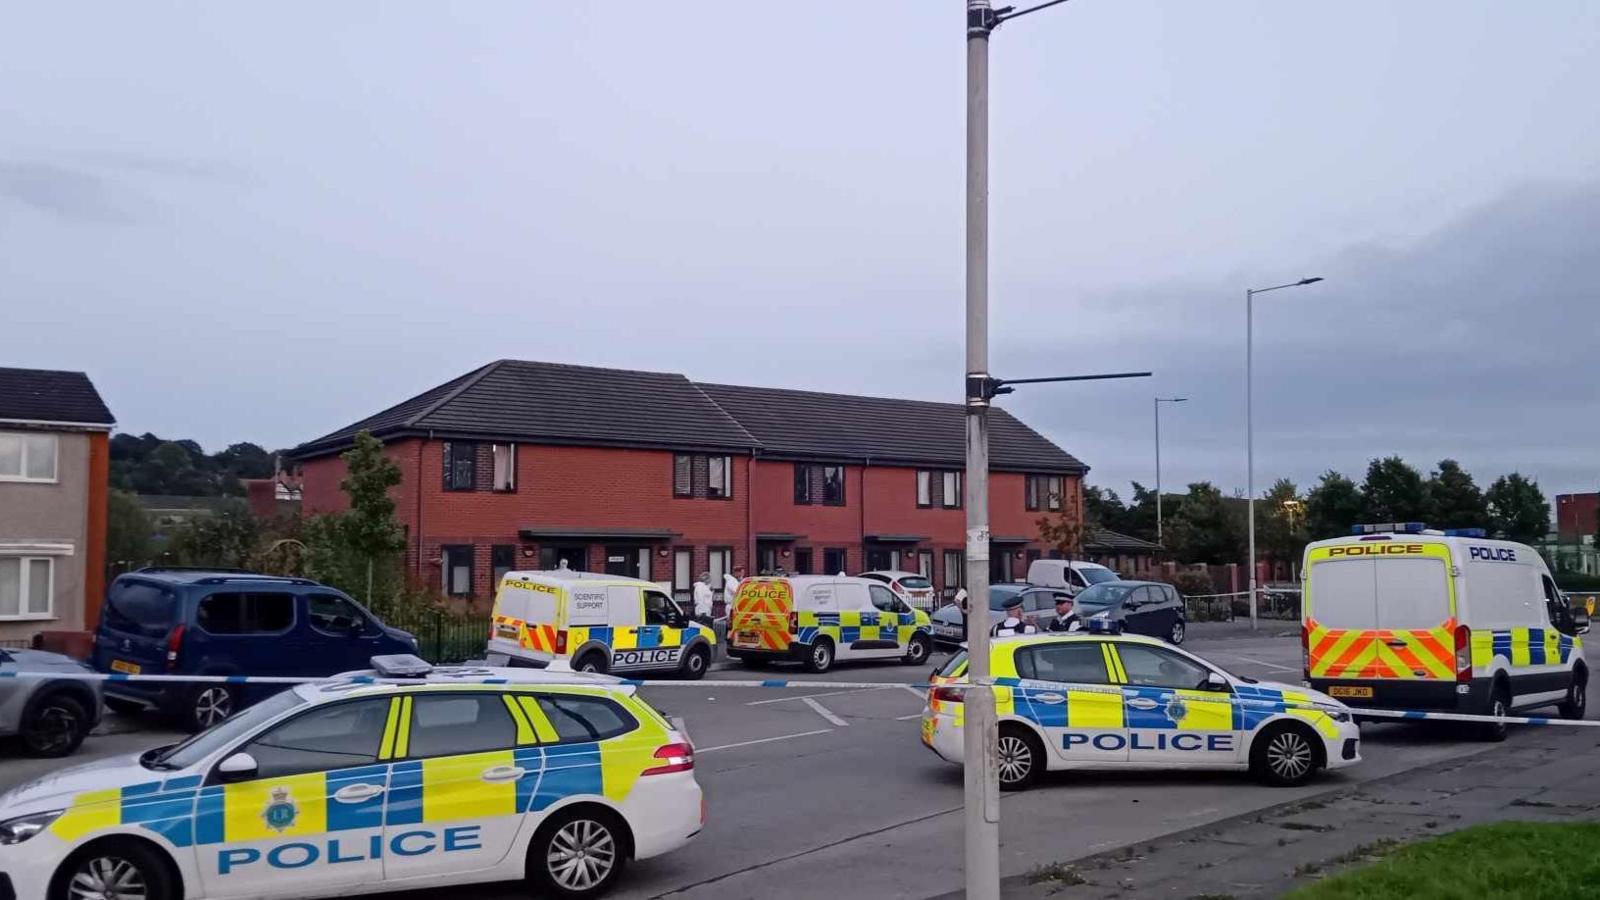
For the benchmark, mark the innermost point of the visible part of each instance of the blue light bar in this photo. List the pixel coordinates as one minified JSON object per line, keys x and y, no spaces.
{"x":1466,"y":532}
{"x":1391,"y":528}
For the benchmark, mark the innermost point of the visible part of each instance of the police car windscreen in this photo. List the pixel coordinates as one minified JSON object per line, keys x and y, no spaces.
{"x":1390,"y":593}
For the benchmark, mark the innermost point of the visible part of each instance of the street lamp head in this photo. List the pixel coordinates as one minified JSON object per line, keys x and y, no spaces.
{"x":1311,"y":280}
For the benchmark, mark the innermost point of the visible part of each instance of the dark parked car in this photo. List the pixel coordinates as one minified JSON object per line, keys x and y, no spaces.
{"x":209,"y":622}
{"x":1139,"y":607}
{"x":50,"y":716}
{"x":1038,"y":605}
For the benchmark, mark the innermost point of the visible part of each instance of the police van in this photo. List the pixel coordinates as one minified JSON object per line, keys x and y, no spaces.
{"x":397,"y":778}
{"x":599,"y":623}
{"x":1087,"y":701}
{"x":1397,"y":616}
{"x":817,"y":619}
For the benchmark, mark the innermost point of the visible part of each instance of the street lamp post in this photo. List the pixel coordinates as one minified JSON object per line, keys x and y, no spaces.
{"x":1157,"y":405}
{"x":1249,"y":421}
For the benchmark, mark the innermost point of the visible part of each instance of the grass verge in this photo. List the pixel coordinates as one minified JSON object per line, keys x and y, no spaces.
{"x":1504,"y":861}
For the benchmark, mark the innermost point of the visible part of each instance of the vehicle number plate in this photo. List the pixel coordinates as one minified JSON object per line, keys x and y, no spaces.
{"x":126,"y":668}
{"x":1348,"y":691}
{"x":747,"y":639}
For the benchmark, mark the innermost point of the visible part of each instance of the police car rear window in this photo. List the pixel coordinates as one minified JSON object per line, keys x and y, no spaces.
{"x":453,"y":724}
{"x":954,"y":664}
{"x":584,"y":719}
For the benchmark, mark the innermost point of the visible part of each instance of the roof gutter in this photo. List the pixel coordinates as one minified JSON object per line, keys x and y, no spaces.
{"x":49,"y":423}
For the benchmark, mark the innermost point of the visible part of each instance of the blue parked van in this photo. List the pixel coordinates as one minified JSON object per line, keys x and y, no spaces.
{"x":168,"y":621}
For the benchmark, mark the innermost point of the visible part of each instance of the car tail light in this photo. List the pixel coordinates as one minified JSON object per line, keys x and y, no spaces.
{"x":174,"y":645}
{"x":946,"y":695}
{"x":1305,"y":650}
{"x":674,"y":758}
{"x":794,"y":623}
{"x":1463,"y":654}
{"x":561,"y":642}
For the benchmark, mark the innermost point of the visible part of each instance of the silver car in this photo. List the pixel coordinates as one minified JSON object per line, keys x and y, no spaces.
{"x":50,"y":716}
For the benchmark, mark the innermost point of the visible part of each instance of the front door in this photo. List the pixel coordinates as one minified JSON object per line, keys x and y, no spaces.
{"x":1000,"y":566}
{"x":455,"y":803}
{"x":310,"y":816}
{"x":1172,"y":719}
{"x":564,"y":556}
{"x":1081,"y":710}
{"x":628,"y":562}
{"x":766,"y":558}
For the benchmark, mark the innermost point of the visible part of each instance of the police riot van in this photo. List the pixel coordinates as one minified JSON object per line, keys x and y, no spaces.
{"x":596,"y":623}
{"x":1397,"y":616}
{"x":816,"y":619}
{"x":400,"y":777}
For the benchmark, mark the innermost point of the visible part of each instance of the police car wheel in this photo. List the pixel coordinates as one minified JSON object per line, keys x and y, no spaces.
{"x":113,"y":870}
{"x":695,"y":664}
{"x":1284,"y":756}
{"x":55,"y":727}
{"x":918,"y":651}
{"x":819,"y":658}
{"x":1577,"y":695}
{"x":208,"y":705}
{"x":1021,"y":759}
{"x":578,"y":854}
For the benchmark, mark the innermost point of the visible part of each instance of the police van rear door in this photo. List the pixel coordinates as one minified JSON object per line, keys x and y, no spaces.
{"x":1380,"y":609}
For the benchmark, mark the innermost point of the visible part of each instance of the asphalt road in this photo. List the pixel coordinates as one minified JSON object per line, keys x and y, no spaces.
{"x":830,"y":791}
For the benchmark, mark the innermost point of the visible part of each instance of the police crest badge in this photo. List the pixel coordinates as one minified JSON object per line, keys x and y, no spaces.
{"x":280,"y":812}
{"x":1177,"y":709}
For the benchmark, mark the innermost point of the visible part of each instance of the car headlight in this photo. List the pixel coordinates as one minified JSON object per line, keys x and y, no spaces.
{"x":15,"y":831}
{"x":1339,"y":716}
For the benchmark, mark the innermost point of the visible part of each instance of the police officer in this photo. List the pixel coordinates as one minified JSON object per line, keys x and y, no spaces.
{"x":1065,"y":619}
{"x":1013,"y":623}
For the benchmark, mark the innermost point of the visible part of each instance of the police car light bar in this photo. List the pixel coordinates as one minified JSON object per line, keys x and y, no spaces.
{"x":1391,"y":528}
{"x":1466,"y":532}
{"x":400,"y":665}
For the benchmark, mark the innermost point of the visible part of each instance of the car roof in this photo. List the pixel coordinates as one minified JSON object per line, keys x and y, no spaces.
{"x":1015,"y":640}
{"x":895,"y":573}
{"x":564,"y":576}
{"x":207,"y":575}
{"x":367,"y":682}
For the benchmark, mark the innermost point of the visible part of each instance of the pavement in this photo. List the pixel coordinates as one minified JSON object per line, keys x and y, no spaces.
{"x":823,"y":791}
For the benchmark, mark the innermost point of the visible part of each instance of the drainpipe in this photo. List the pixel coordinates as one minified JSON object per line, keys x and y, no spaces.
{"x":863,"y":540}
{"x":750,"y":562}
{"x":417,"y":569}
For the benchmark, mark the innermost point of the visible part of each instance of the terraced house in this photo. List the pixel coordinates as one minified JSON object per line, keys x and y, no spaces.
{"x":647,"y":474}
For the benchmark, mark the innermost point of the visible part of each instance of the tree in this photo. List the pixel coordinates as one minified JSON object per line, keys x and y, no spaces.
{"x":1140,"y":518}
{"x":1332,"y":507}
{"x":1102,"y":508}
{"x":359,"y":550}
{"x":226,"y":538}
{"x":1062,"y":533}
{"x":1281,"y":534}
{"x":1518,"y":510}
{"x":130,"y":540}
{"x":1454,"y":500}
{"x":1204,"y":529}
{"x":1394,"y":492}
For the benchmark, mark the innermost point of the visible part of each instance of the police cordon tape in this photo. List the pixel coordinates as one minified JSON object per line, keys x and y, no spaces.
{"x":469,"y":675}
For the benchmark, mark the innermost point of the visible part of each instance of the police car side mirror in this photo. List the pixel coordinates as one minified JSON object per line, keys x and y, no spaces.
{"x":238,"y":767}
{"x":1215,"y":682}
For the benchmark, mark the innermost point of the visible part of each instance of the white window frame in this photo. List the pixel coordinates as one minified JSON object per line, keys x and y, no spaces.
{"x":21,"y":437}
{"x":24,"y":568}
{"x":952,"y":489}
{"x":723,"y":491}
{"x":1054,"y":489}
{"x":924,"y":487}
{"x":509,"y":482}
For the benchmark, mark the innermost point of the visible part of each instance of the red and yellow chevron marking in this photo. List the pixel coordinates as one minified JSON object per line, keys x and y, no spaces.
{"x":760,"y":618}
{"x":1374,"y":653}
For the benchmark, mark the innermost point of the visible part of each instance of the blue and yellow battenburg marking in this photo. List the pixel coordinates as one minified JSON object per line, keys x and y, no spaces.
{"x":420,"y":792}
{"x":1523,"y":647}
{"x":846,"y":628}
{"x":637,"y":637}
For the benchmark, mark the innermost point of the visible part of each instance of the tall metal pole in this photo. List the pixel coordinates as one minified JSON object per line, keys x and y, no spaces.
{"x":1250,"y":439}
{"x":980,"y":736}
{"x":1156,"y":402}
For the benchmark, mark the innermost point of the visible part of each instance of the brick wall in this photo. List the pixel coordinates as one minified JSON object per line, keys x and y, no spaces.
{"x":1576,"y":513}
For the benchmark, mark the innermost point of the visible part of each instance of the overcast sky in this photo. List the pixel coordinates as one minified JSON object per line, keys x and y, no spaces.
{"x":261,"y":222}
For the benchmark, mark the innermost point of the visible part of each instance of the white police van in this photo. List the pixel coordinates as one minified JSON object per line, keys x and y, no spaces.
{"x":398,"y":778}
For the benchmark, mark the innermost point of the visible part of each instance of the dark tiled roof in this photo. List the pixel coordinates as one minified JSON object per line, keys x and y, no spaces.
{"x":559,"y":404}
{"x":513,"y":399}
{"x":40,"y":395}
{"x":1107,"y":541}
{"x":847,"y":427}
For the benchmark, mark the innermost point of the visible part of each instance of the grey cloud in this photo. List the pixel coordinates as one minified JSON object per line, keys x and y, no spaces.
{"x":69,"y":193}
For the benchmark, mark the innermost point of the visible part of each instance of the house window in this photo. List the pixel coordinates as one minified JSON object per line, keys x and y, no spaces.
{"x":925,"y":564}
{"x":802,"y":561}
{"x":505,"y":466}
{"x":833,"y":485}
{"x":952,"y":490}
{"x":802,"y":485}
{"x":833,"y":561}
{"x":27,"y":457}
{"x":719,"y":563}
{"x":955,"y":571}
{"x":924,"y":488}
{"x":1032,"y":493}
{"x":683,"y":573}
{"x":26,"y":587}
{"x":460,"y":466}
{"x":682,"y":475}
{"x":457,"y":559}
{"x":718,"y":478}
{"x":502,"y":559}
{"x":1052,"y":496}
{"x":1044,"y":492}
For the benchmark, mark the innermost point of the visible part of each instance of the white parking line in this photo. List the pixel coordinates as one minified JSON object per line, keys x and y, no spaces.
{"x":915,"y":715}
{"x":781,"y":737}
{"x":823,"y":694}
{"x":823,"y":711}
{"x":919,"y":693}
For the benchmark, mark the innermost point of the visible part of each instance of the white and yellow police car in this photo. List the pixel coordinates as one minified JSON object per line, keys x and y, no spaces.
{"x":401,"y":777}
{"x":1126,"y":701}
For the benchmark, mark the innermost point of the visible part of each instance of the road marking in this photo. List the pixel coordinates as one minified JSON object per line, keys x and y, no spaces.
{"x":781,"y":737}
{"x":915,"y":715}
{"x":823,"y":694}
{"x":823,"y":711}
{"x":1262,"y":662}
{"x":920,"y":694}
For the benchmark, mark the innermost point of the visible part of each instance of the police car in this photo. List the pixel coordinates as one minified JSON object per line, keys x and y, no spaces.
{"x":401,"y":777}
{"x":1127,"y":701}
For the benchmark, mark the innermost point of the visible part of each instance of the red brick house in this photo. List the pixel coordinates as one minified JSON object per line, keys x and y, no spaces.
{"x":526,"y":464}
{"x":1576,"y":515}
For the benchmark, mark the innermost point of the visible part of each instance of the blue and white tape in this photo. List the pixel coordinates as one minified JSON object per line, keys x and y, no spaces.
{"x":482,"y":676}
